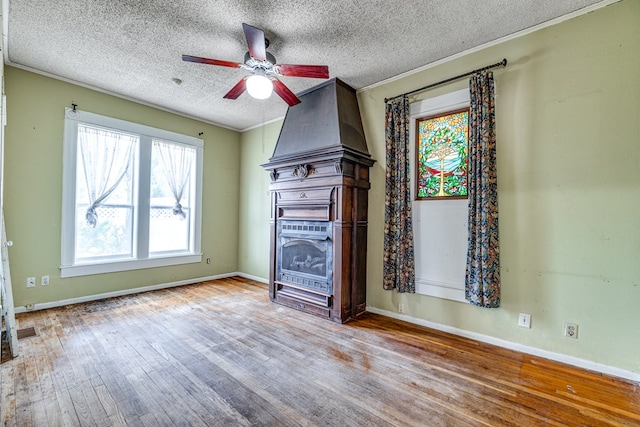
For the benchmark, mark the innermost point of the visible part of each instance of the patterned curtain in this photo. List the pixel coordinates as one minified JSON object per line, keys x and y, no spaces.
{"x":398,"y":261}
{"x":482,"y":281}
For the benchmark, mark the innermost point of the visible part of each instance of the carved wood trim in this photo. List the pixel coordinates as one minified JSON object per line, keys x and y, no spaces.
{"x":303,"y":171}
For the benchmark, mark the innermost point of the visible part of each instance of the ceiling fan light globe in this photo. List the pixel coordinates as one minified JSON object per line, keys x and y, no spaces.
{"x":259,"y":86}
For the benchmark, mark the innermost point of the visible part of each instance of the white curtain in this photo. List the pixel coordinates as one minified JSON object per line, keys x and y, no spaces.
{"x":105,"y":157}
{"x":176,"y":161}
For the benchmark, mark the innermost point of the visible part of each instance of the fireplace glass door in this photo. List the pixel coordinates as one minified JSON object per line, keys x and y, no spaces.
{"x":305,"y":255}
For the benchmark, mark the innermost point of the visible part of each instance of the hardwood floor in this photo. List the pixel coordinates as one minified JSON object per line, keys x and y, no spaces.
{"x":221,"y":354}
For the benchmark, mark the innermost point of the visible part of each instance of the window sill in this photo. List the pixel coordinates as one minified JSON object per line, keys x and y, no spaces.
{"x":440,"y":290}
{"x":112,"y":267}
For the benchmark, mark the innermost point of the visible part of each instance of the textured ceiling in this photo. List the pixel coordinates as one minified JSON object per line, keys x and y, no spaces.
{"x":133,"y":48}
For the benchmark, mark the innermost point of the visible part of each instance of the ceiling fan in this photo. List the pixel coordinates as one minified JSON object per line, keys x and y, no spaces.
{"x":264,"y":71}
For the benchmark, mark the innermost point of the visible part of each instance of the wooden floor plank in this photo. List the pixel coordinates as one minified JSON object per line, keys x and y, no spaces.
{"x":115,"y":417}
{"x":220,"y":353}
{"x":24,"y":403}
{"x":215,"y":404}
{"x":8,"y":408}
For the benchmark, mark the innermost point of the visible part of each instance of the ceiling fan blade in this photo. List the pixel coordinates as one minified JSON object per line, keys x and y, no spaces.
{"x":210,"y":61}
{"x":255,"y":42}
{"x":284,"y":92}
{"x":315,"y":71}
{"x":237,"y":90}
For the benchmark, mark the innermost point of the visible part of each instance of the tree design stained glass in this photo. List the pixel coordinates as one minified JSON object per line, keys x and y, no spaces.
{"x":442,"y":147}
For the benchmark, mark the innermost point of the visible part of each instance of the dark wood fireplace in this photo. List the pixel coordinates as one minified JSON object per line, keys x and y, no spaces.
{"x":319,"y":199}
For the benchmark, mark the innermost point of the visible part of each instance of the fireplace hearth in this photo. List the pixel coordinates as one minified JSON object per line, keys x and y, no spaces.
{"x":319,"y":199}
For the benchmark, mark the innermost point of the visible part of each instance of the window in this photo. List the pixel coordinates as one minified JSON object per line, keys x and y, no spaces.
{"x":440,"y":228}
{"x":442,"y":144}
{"x":131,"y":196}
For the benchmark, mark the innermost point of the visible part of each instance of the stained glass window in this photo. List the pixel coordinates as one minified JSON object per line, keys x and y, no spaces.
{"x":442,"y":147}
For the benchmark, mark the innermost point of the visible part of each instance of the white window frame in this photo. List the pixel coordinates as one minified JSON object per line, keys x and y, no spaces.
{"x":439,"y":272}
{"x":140,"y":239}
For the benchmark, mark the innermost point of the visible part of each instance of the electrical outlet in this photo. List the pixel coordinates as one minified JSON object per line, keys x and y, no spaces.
{"x":31,"y":282}
{"x":400,"y":308}
{"x":571,"y":330}
{"x":45,"y":281}
{"x":524,"y":320}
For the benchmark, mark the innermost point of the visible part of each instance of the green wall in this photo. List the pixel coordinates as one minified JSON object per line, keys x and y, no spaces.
{"x":568,"y":105}
{"x":257,"y":146}
{"x":33,"y":189}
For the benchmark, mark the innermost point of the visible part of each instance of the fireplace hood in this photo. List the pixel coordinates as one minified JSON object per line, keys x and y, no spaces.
{"x":327,"y":121}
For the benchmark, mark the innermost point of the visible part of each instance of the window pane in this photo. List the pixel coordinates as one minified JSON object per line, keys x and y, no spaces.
{"x":104,"y":194}
{"x":121,"y":195}
{"x":111,"y":238}
{"x":168,"y":232}
{"x":442,"y":155}
{"x":172,"y":183}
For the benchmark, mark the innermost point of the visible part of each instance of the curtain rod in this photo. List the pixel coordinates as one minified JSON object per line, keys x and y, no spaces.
{"x":502,"y":63}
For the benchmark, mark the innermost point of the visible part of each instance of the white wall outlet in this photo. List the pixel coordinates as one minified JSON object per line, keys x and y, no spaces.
{"x":524,"y":320}
{"x":45,"y":281}
{"x":31,"y":282}
{"x":571,"y":330}
{"x":400,"y":308}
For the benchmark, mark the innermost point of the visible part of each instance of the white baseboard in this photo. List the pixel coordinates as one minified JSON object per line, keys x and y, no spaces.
{"x":87,"y":298}
{"x":255,"y":278}
{"x":558,"y":357}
